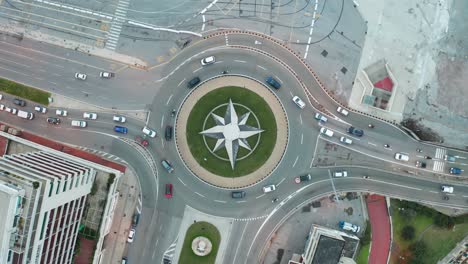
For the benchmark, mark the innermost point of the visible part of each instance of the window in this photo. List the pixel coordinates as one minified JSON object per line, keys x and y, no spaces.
{"x":51,"y":188}
{"x":58,"y":187}
{"x":43,"y":225}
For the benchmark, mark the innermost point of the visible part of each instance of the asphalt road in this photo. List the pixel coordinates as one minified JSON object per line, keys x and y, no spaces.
{"x":161,"y":216}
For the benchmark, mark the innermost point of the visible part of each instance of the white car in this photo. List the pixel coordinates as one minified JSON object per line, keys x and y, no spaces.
{"x":269,"y":188}
{"x":321,"y":117}
{"x":346,"y":140}
{"x":339,"y":174}
{"x":298,"y":102}
{"x":92,"y":116}
{"x":208,"y":60}
{"x":401,"y":156}
{"x":61,"y":112}
{"x":80,"y":76}
{"x":342,"y":111}
{"x":131,"y":235}
{"x":78,"y":123}
{"x":447,"y":189}
{"x":106,"y":75}
{"x":11,"y":110}
{"x":2,"y":107}
{"x":120,"y":119}
{"x":40,"y":109}
{"x":148,"y":132}
{"x":326,"y":131}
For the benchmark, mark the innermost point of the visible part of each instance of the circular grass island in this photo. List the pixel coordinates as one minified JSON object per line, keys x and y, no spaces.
{"x":216,"y":102}
{"x":200,"y":229}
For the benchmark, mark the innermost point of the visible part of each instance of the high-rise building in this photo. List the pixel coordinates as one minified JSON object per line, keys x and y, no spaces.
{"x":42,"y":197}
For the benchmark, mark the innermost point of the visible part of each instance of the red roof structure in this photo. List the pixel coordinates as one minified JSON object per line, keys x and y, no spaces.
{"x":385,"y":84}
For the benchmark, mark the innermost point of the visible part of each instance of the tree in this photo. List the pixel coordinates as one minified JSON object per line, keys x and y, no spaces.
{"x":443,"y":221}
{"x":407,"y":233}
{"x":419,"y":249}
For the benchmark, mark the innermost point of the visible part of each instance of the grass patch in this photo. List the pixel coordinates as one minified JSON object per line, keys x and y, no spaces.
{"x":200,"y":229}
{"x":24,"y":91}
{"x":221,"y":96}
{"x":363,"y":255}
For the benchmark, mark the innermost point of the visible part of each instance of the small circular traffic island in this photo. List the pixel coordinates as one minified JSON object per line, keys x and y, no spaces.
{"x":231,"y":132}
{"x":201,"y":244}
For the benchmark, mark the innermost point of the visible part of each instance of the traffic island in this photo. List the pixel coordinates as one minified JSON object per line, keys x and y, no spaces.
{"x":201,"y":244}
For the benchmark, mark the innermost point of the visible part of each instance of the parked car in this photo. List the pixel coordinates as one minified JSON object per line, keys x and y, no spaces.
{"x":40,"y":109}
{"x":53,"y":120}
{"x":299,"y":102}
{"x":168,"y":192}
{"x":88,"y":115}
{"x":349,"y":227}
{"x":167,"y":166}
{"x":339,"y":174}
{"x":106,"y":75}
{"x":401,"y":156}
{"x":273,"y":82}
{"x":168,"y":133}
{"x":421,"y":164}
{"x":326,"y":131}
{"x":78,"y":123}
{"x":192,"y":83}
{"x":61,"y":112}
{"x":269,"y":188}
{"x":2,"y":107}
{"x":11,"y":110}
{"x":80,"y":76}
{"x":355,"y":131}
{"x":19,"y":102}
{"x":120,"y":119}
{"x":148,"y":132}
{"x":342,"y":111}
{"x":142,"y":141}
{"x":238,"y":194}
{"x":208,"y":60}
{"x":446,"y":189}
{"x":346,"y":140}
{"x":135,"y":219}
{"x":455,"y":171}
{"x":449,"y":158}
{"x":131,"y":235}
{"x":120,"y":129}
{"x":320,"y":117}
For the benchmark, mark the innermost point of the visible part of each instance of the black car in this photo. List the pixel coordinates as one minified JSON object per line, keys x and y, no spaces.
{"x":238,"y":194}
{"x":168,"y":133}
{"x":355,"y":131}
{"x":192,"y":83}
{"x":19,"y":102}
{"x":53,"y":120}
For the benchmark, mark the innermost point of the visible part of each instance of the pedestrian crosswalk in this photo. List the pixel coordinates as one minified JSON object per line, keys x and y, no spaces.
{"x":116,"y":27}
{"x":439,"y":154}
{"x":169,"y":253}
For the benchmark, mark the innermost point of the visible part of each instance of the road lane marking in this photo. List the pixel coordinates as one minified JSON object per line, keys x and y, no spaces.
{"x":53,"y":83}
{"x":182,"y":181}
{"x":311,"y":163}
{"x":200,"y":194}
{"x":292,"y":95}
{"x":219,"y":201}
{"x":433,"y":192}
{"x":259,"y":196}
{"x":181,"y":82}
{"x":240,"y":201}
{"x":373,"y":144}
{"x":302,"y":138}
{"x":281,"y":182}
{"x":17,"y":63}
{"x":263,"y":68}
{"x":311,"y":29}
{"x":14,"y":71}
{"x":197,"y":69}
{"x":300,"y":118}
{"x":162,"y":121}
{"x":218,"y":62}
{"x":295,"y":161}
{"x":168,"y":100}
{"x":238,"y":244}
{"x":279,"y":79}
{"x":241,"y":61}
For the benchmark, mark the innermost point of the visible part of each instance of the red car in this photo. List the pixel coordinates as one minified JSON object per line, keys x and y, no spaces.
{"x":168,"y":193}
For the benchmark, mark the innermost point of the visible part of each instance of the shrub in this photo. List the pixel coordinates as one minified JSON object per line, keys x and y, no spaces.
{"x":407,"y":233}
{"x":418,"y":249}
{"x":110,"y":180}
{"x":443,"y":221}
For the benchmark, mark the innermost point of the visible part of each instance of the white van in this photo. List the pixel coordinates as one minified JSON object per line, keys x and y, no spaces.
{"x":326,"y":131}
{"x":342,"y":111}
{"x":25,"y":115}
{"x":78,"y":123}
{"x":339,"y":174}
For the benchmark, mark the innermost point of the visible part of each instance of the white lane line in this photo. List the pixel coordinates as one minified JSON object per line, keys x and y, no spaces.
{"x":53,"y":83}
{"x":280,"y":182}
{"x":168,"y":100}
{"x":197,"y":69}
{"x":300,"y":118}
{"x":216,"y":62}
{"x":311,"y":163}
{"x":311,"y":29}
{"x":373,"y":144}
{"x":162,"y":121}
{"x":295,"y":161}
{"x":181,"y":181}
{"x":263,"y":68}
{"x":181,"y":82}
{"x":17,"y":63}
{"x":259,"y":196}
{"x":56,"y":74}
{"x":292,"y":95}
{"x":219,"y":201}
{"x":240,"y":201}
{"x":241,"y":61}
{"x":433,"y":192}
{"x":199,"y":194}
{"x":279,"y":79}
{"x":13,"y":71}
{"x":238,"y":245}
{"x":465,"y":196}
{"x":302,"y":138}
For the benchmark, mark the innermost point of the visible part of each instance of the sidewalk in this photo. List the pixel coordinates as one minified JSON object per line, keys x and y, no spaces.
{"x":380,"y":223}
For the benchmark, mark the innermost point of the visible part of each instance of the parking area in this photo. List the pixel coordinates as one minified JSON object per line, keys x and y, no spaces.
{"x":291,"y":236}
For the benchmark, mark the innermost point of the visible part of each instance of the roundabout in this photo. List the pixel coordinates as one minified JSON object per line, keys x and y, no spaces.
{"x":231,"y":136}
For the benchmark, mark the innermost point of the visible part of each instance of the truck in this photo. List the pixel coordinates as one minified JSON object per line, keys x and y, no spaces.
{"x":349,"y":227}
{"x":25,"y":115}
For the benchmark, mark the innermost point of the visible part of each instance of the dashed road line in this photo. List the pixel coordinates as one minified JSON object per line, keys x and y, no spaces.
{"x":294,"y":164}
{"x":259,"y":196}
{"x":311,"y":29}
{"x":219,"y":201}
{"x":200,"y":194}
{"x":241,"y":61}
{"x":181,"y":82}
{"x":261,"y":67}
{"x":181,"y":181}
{"x":168,"y":100}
